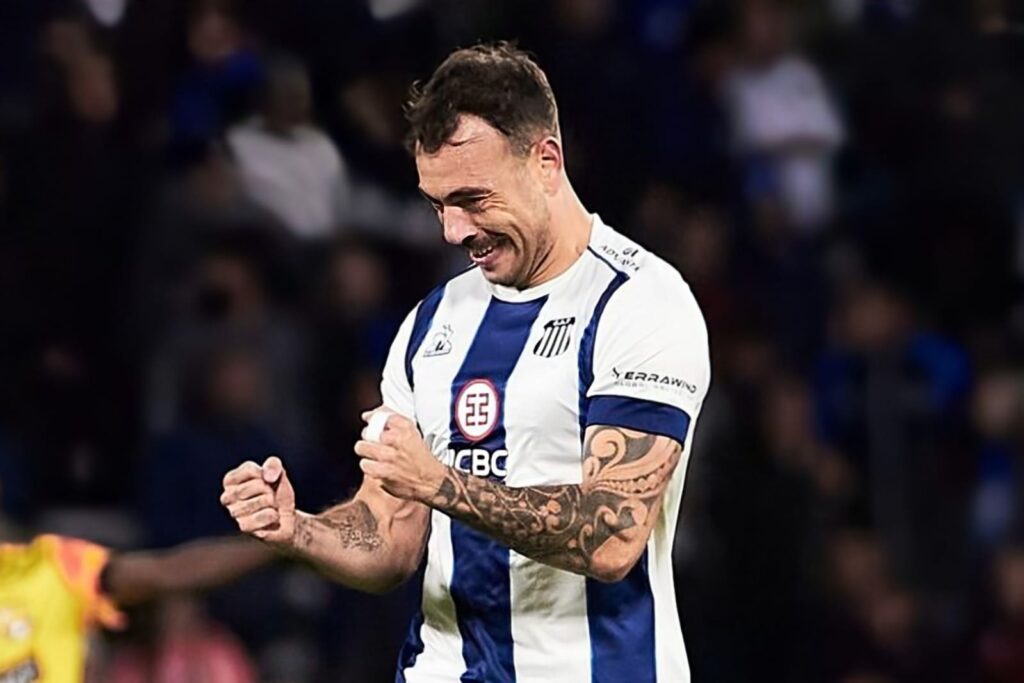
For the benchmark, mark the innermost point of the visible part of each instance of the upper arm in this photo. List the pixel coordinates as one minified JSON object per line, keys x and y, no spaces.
{"x":625,"y":474}
{"x":395,"y":387}
{"x":403,"y":523}
{"x":650,"y":375}
{"x":651,"y":367}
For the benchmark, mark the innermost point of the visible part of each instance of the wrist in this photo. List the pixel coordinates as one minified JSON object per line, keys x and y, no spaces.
{"x":300,"y":538}
{"x":431,"y":481}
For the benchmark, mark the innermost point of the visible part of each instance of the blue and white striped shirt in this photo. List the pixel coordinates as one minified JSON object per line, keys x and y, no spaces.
{"x":503,"y":383}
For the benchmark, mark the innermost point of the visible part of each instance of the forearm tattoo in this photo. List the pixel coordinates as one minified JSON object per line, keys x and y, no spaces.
{"x":624,"y":475}
{"x":353,"y":525}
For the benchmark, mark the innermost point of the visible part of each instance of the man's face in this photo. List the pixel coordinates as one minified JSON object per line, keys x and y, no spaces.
{"x":490,"y":201}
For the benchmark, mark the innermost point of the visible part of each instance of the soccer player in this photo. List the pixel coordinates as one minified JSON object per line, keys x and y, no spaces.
{"x":54,"y":590}
{"x":543,"y":406}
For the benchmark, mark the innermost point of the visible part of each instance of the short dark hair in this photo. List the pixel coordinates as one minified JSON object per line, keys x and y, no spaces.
{"x":497,"y":82}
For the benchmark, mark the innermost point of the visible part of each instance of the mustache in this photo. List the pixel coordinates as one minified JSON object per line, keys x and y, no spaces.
{"x":478,"y":242}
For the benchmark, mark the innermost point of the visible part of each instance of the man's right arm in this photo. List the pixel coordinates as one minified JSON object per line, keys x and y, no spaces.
{"x":373,"y":542}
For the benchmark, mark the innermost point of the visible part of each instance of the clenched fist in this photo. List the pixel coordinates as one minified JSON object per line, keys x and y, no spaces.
{"x":261,"y":500}
{"x":400,"y":459}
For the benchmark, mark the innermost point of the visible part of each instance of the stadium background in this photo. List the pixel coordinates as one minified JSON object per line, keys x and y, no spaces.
{"x":839,"y":181}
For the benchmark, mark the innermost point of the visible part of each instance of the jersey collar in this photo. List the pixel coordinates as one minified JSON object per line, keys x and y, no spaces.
{"x":513,"y":295}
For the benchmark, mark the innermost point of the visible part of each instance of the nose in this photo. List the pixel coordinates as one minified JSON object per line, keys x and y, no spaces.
{"x":458,"y":226}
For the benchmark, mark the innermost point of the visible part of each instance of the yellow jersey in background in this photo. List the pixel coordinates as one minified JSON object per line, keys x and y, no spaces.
{"x":50,"y":597}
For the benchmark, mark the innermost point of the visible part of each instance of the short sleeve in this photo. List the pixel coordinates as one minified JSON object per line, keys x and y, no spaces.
{"x":81,"y":565}
{"x":651,"y":365}
{"x":395,"y":387}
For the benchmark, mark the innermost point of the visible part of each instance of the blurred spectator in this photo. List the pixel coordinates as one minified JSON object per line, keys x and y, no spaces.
{"x":287,"y":164}
{"x":1002,"y":644}
{"x":874,"y":632}
{"x":223,"y":427}
{"x":230,"y":307}
{"x":891,"y":395}
{"x":355,"y":325}
{"x":200,"y":207}
{"x":784,"y":125}
{"x":224,"y":76}
{"x":998,"y":413}
{"x":184,"y":646}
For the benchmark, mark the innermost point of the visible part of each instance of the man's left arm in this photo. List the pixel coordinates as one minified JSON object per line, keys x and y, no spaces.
{"x":598,"y":528}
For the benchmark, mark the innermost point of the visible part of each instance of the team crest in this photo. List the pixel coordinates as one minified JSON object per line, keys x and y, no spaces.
{"x":477,"y":407}
{"x":440,"y":344}
{"x":556,"y":338}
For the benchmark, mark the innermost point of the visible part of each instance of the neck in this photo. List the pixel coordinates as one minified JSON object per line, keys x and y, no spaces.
{"x":570,"y":227}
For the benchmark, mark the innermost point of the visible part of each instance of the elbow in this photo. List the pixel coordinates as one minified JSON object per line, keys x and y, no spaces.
{"x":387,"y":579}
{"x":386,"y":582}
{"x":613,"y":569}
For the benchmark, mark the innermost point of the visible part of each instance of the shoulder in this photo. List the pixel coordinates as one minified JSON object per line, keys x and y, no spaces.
{"x":465,"y":285}
{"x":243,"y":133}
{"x":313,"y":138}
{"x":647,"y":280}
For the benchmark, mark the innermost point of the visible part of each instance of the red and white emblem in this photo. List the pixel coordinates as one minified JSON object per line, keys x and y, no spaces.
{"x":476,"y":409}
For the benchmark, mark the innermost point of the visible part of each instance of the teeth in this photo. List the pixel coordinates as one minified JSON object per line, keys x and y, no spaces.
{"x":482,"y":252}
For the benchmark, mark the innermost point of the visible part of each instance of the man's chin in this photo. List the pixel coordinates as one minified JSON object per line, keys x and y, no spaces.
{"x":503,"y":277}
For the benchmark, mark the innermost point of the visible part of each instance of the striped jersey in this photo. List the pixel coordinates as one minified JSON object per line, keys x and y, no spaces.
{"x":503,"y":383}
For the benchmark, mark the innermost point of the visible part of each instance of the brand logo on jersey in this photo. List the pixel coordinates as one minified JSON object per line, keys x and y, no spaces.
{"x":636,"y":378}
{"x":440,"y":344}
{"x":555,"y":339}
{"x":23,"y":673}
{"x":477,"y":407}
{"x":479,"y":462}
{"x":626,"y":257}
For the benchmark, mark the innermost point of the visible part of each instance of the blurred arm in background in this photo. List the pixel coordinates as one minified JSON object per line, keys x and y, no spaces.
{"x":135,"y":577}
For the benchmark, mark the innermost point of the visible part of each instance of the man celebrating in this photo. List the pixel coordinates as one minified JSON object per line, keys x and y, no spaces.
{"x":541,"y":407}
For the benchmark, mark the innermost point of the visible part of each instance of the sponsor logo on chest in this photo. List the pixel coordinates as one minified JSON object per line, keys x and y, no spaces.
{"x":477,"y":407}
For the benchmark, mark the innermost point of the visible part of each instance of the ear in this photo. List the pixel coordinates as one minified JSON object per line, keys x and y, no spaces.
{"x":550,"y":162}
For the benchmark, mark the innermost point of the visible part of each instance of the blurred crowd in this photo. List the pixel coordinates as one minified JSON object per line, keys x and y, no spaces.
{"x":210,"y":230}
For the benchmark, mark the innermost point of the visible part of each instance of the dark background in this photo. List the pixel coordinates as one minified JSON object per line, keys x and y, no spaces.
{"x":840,"y":182}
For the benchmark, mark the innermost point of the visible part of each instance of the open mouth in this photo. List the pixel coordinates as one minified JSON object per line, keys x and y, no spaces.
{"x":486,"y":253}
{"x":481,"y":253}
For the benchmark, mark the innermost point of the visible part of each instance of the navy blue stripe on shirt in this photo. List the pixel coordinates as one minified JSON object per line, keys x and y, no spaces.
{"x":413,"y":646}
{"x":586,"y":356}
{"x":635,"y":413}
{"x":480,"y":584}
{"x":620,"y":617}
{"x":420,"y":326}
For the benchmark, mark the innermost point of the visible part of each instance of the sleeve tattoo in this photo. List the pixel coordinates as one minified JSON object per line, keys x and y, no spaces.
{"x":624,"y":475}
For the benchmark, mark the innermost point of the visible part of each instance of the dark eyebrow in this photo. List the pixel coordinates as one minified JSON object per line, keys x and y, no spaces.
{"x":457,"y":196}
